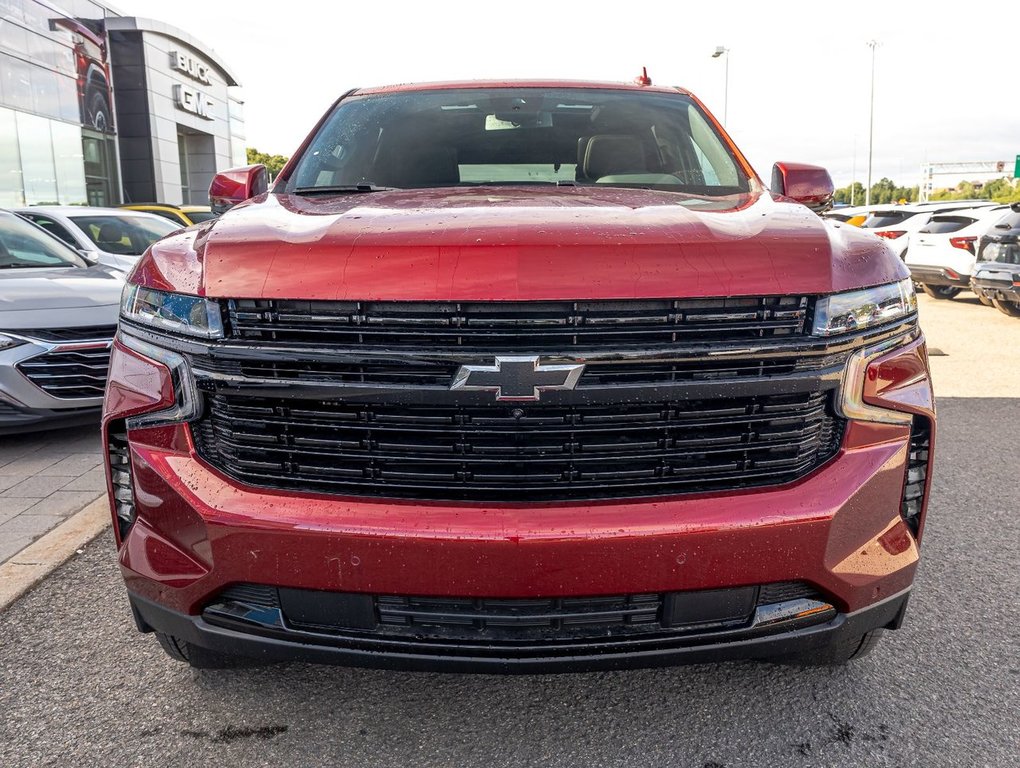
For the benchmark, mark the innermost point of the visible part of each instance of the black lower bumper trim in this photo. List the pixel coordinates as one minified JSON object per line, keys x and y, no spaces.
{"x":1002,"y":290}
{"x":357,"y":650}
{"x":938,"y":276}
{"x":14,"y":419}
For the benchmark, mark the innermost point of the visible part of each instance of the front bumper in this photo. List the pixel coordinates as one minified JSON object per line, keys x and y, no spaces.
{"x":197,"y":533}
{"x":929,"y":275}
{"x":850,"y":529}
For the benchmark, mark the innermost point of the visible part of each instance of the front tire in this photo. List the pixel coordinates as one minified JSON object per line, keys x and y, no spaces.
{"x":838,"y":654}
{"x":940,"y":291}
{"x":201,"y":658}
{"x":98,"y":108}
{"x":984,"y":300}
{"x":1011,"y":308}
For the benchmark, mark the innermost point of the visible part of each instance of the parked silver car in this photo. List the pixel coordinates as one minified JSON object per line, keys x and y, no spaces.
{"x":58,"y":314}
{"x":119,"y":236}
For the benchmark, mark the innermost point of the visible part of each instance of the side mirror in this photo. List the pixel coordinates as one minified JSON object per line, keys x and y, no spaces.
{"x":90,"y":256}
{"x":809,"y":185}
{"x":236,"y":185}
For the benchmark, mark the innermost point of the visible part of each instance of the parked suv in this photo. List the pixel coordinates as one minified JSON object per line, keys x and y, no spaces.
{"x":519,"y":377}
{"x":996,"y":277}
{"x":897,"y":222}
{"x":942,"y":253}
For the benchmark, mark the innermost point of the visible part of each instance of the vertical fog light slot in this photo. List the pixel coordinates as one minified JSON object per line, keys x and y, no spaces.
{"x":917,"y":473}
{"x":120,"y":476}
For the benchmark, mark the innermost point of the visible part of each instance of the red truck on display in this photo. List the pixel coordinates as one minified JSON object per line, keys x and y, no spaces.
{"x":519,"y":377}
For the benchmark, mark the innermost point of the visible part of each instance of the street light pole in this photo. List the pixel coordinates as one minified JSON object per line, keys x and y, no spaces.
{"x":853,"y":176}
{"x":723,"y":51}
{"x":872,"y":44}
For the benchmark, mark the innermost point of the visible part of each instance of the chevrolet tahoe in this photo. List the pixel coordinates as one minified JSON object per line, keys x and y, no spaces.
{"x":519,"y":377}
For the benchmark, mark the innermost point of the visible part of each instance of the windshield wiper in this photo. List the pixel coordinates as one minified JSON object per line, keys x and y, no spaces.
{"x":31,"y":266}
{"x":342,"y":189}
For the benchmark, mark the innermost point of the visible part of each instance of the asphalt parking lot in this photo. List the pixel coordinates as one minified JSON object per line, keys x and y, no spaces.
{"x":78,"y":685}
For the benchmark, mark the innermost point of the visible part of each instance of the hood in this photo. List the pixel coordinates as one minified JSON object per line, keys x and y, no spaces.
{"x":36,"y":298}
{"x":514,"y":243}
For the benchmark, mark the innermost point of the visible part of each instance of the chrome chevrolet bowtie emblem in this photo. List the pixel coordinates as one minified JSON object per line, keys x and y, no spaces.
{"x":517,"y":378}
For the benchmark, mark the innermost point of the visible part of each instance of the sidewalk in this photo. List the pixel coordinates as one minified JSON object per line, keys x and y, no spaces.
{"x":45,"y":477}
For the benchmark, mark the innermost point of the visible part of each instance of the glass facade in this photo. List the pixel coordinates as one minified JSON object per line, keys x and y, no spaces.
{"x":42,"y":53}
{"x":100,"y":161}
{"x":65,"y":139}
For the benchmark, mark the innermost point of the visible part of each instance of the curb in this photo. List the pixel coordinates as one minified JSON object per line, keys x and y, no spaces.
{"x":43,"y":556}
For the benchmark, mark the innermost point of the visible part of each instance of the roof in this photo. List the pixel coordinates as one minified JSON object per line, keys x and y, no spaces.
{"x":79,"y":210}
{"x":138,"y":24}
{"x":979,"y":211}
{"x":933,"y":206}
{"x":167,"y":206}
{"x":450,"y":85}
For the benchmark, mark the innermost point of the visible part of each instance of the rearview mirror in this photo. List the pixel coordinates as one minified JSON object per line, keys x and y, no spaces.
{"x":809,"y":185}
{"x":236,"y":185}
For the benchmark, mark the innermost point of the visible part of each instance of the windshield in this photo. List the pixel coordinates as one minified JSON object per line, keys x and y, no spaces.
{"x":25,"y":245}
{"x":941,"y":225}
{"x":581,"y":136}
{"x":880,"y":219}
{"x":197,"y":217}
{"x":124,"y":235}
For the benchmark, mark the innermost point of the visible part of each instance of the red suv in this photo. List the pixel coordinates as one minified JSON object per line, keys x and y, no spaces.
{"x":519,"y":377}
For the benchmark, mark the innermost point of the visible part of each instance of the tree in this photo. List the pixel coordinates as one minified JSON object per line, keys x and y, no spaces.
{"x":883,"y":192}
{"x":274,"y":163}
{"x":843,"y":194}
{"x":1002,"y":190}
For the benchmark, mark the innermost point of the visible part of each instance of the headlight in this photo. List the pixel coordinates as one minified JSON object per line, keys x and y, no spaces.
{"x":866,"y":308}
{"x":175,"y":312}
{"x":6,"y":342}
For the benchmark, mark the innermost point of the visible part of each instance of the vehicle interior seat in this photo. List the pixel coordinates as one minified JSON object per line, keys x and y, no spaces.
{"x":111,"y":238}
{"x":610,"y":154}
{"x":406,"y":162}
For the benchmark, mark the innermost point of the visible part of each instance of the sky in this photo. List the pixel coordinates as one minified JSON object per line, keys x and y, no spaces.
{"x":799,"y":82}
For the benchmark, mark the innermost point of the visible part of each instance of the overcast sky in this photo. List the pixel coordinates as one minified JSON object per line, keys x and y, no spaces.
{"x":799,"y":75}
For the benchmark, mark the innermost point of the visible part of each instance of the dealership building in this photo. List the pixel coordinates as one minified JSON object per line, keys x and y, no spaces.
{"x":99,"y":108}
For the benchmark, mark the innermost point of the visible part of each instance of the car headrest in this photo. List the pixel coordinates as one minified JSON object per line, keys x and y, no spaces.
{"x":408,"y":163}
{"x":110,"y":232}
{"x":610,"y":154}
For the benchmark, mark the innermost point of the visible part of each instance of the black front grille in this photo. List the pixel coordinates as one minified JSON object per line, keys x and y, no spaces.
{"x":527,"y":326}
{"x":520,"y":623}
{"x":69,"y":374}
{"x":259,"y":595}
{"x":557,"y":614}
{"x":82,"y":333}
{"x":535,"y":453}
{"x":917,"y":473}
{"x":783,"y":591}
{"x":121,"y":476}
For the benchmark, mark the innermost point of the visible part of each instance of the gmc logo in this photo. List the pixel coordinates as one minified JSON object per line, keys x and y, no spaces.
{"x":193,"y":101}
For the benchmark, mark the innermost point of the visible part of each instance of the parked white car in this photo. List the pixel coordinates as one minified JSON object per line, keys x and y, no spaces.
{"x":942,"y":253}
{"x":896,"y":222}
{"x":116,"y":235}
